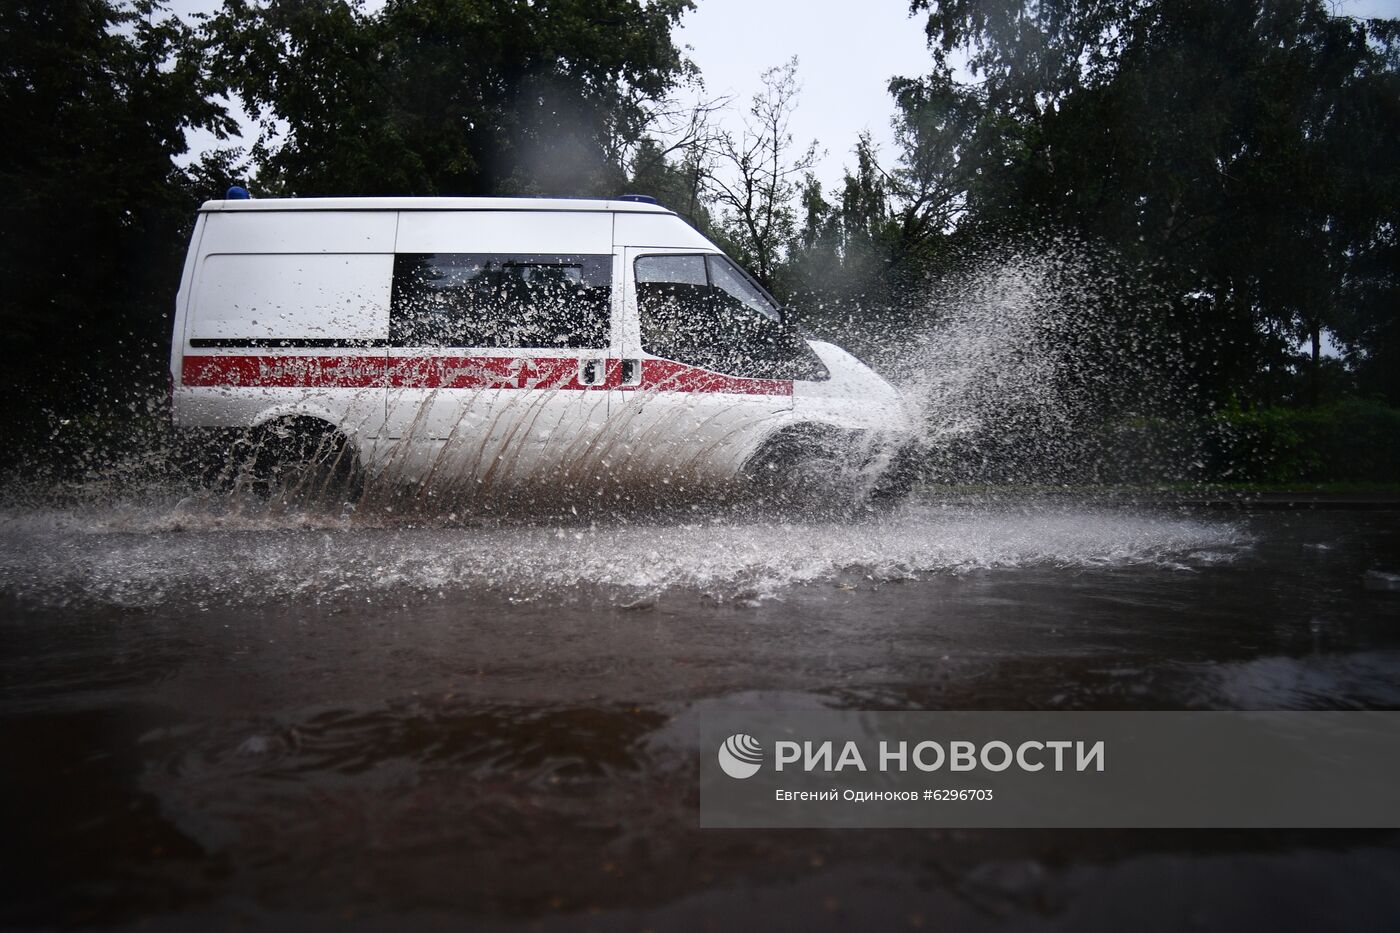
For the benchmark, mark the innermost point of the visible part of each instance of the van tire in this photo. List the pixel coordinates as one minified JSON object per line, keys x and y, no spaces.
{"x":816,"y":466}
{"x":807,"y":466}
{"x":897,"y":481}
{"x":304,"y":461}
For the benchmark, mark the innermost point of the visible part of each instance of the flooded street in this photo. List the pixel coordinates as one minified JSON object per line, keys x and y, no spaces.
{"x":595,"y":465}
{"x":222,"y":720}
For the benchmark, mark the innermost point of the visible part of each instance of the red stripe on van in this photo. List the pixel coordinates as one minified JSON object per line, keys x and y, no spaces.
{"x":478,"y":372}
{"x":450,"y":372}
{"x":341,"y":372}
{"x":666,"y":376}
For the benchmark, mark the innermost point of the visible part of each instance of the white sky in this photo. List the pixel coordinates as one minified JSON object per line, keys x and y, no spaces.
{"x":846,"y":52}
{"x":846,"y":55}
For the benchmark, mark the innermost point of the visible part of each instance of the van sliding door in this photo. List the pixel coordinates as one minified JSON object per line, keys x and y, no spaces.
{"x":500,"y":331}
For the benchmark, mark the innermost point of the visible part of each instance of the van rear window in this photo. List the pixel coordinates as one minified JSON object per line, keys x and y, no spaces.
{"x":500,"y":300}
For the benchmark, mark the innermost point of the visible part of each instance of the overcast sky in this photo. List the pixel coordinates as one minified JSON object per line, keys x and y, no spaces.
{"x":844,"y":63}
{"x":846,"y":52}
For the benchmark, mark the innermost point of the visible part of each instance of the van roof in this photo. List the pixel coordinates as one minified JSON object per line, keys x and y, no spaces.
{"x":434,"y":204}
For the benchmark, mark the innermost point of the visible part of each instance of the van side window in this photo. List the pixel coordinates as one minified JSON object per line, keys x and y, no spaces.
{"x":688,"y":317}
{"x":505,"y":300}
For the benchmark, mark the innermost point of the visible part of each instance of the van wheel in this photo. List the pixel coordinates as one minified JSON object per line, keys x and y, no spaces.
{"x":304,"y":461}
{"x":804,"y":466}
{"x":897,"y":481}
{"x":815,"y":466}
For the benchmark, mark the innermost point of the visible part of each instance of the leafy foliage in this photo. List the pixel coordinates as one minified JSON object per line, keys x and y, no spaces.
{"x":1238,"y":155}
{"x":1242,"y":149}
{"x":96,"y":99}
{"x":454,"y":97}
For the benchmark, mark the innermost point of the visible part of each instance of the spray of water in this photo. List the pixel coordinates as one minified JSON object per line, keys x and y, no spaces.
{"x":1030,"y":363}
{"x":1013,"y":372}
{"x":143,"y":558}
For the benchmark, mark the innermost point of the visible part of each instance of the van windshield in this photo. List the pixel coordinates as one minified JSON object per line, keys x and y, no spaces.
{"x":720,"y":323}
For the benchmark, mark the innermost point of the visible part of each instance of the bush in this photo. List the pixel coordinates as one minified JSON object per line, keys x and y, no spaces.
{"x":1346,"y":442}
{"x":1351,"y":441}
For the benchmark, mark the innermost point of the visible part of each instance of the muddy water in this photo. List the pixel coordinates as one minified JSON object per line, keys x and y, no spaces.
{"x":229,"y":719}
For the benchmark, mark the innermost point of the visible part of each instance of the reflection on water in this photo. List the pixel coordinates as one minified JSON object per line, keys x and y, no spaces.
{"x":297,"y":721}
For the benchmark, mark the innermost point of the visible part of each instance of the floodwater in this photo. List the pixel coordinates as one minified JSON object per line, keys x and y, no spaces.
{"x":226,"y":720}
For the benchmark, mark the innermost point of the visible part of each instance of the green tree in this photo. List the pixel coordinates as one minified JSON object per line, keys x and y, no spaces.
{"x":669,"y":161}
{"x":1241,"y":149}
{"x":96,"y":98}
{"x":447,"y":96}
{"x":842,"y":251}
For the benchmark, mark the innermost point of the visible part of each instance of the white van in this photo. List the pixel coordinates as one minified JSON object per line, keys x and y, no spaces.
{"x":496,"y":341}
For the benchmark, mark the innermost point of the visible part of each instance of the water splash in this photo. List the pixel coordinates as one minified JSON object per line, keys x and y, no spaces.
{"x":1030,"y":362}
{"x":142,"y":558}
{"x":1021,"y":364}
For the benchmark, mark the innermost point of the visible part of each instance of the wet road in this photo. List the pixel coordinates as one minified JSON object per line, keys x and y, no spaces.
{"x":215,"y":720}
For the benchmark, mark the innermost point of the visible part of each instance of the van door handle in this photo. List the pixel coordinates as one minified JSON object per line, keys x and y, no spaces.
{"x":631,"y":372}
{"x":591,"y":372}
